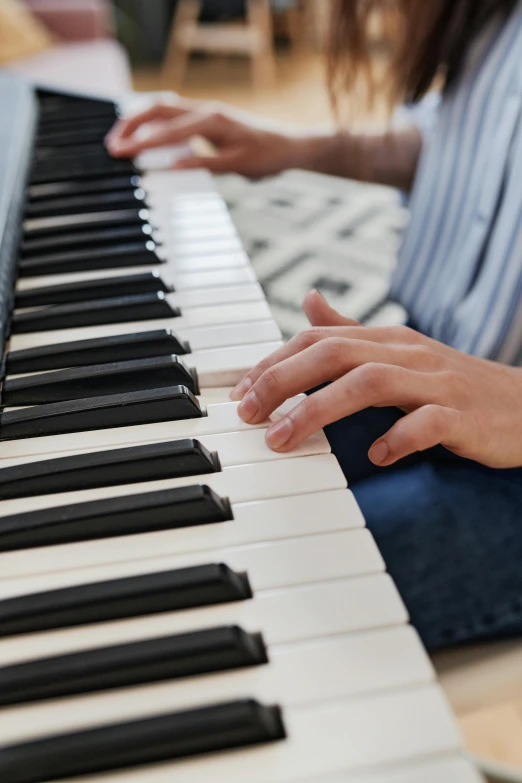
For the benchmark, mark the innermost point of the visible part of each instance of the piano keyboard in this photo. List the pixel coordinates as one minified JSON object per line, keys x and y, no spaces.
{"x":176,"y":600}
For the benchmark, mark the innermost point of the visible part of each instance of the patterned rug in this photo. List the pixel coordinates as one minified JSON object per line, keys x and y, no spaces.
{"x":303,"y":230}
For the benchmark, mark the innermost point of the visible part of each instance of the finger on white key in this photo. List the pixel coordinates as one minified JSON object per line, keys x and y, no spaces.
{"x":231,"y":448}
{"x":218,"y":418}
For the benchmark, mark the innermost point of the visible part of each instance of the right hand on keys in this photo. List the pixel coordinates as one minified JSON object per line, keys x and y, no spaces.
{"x":241,"y":147}
{"x":469,"y":405}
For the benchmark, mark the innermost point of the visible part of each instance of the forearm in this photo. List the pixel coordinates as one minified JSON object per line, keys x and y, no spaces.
{"x":389,"y":158}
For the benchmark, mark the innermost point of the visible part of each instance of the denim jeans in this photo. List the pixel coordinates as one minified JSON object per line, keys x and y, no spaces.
{"x":449,"y":529}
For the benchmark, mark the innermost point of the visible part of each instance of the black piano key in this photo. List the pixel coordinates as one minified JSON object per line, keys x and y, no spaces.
{"x":71,"y":188}
{"x":144,"y":307}
{"x":90,"y":258}
{"x":113,"y":517}
{"x":118,"y":599}
{"x":62,"y":123}
{"x":79,"y":240}
{"x":151,"y":462}
{"x":78,"y":383}
{"x":71,"y":146}
{"x":64,"y":157}
{"x":62,"y":128}
{"x":120,"y":746}
{"x":165,"y":658}
{"x":104,"y":288}
{"x":94,"y":133}
{"x":41,"y":227}
{"x":68,"y":107}
{"x":81,"y":353}
{"x":100,"y":413}
{"x":61,"y":157}
{"x":96,"y":202}
{"x":81,"y":170}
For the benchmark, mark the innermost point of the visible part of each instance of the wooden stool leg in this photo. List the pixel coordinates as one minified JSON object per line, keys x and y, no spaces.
{"x":177,"y":54}
{"x":263,"y":59}
{"x":297,"y":26}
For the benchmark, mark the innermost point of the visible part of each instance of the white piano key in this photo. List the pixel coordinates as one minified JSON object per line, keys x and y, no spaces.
{"x":347,"y":735}
{"x":298,"y":674}
{"x":171,"y":204}
{"x":196,"y":231}
{"x":198,"y":317}
{"x":212,"y":278}
{"x":184,"y":248}
{"x":212,"y":297}
{"x":240,"y":483}
{"x":199,"y":338}
{"x":286,"y":615}
{"x":211,"y":209}
{"x":269,"y":565}
{"x":254,"y":522}
{"x":181,"y":185}
{"x":226,"y":366}
{"x":454,"y":769}
{"x":178,"y":263}
{"x":232,"y":448}
{"x":215,"y":395}
{"x":243,"y":448}
{"x":187,"y":219}
{"x":220,"y":418}
{"x":168,"y":202}
{"x":223,"y":335}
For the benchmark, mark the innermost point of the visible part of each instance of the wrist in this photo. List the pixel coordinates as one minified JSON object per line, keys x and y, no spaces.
{"x":339,"y":154}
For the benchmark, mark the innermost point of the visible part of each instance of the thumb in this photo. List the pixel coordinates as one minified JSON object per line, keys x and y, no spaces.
{"x":319,"y":312}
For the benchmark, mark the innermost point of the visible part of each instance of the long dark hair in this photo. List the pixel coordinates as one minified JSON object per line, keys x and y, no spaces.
{"x":428,"y":37}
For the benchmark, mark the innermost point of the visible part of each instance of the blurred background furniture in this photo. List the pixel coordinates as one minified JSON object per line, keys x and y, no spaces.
{"x":242,"y":27}
{"x":85,"y":55}
{"x":252,"y":37}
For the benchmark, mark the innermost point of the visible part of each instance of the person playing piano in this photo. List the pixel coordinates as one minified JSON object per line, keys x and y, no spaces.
{"x":426,"y":420}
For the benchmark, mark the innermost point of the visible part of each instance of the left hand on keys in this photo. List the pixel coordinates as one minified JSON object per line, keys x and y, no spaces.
{"x":471,"y":406}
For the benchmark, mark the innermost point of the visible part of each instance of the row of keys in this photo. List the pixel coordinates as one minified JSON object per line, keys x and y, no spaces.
{"x":164,"y":598}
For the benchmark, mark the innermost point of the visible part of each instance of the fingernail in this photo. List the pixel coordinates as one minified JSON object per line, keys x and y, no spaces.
{"x":248,"y":407}
{"x":320,"y":295}
{"x":279,"y":434}
{"x":241,"y":389}
{"x":378,"y":453}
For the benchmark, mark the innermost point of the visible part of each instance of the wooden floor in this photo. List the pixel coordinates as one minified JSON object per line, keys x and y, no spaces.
{"x":496,"y":733}
{"x":299,"y":96}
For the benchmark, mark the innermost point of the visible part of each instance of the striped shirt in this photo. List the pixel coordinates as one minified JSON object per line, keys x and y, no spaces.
{"x":460,"y":268}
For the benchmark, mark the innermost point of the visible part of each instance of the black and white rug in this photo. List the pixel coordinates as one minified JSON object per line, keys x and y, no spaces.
{"x":303,"y":230}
